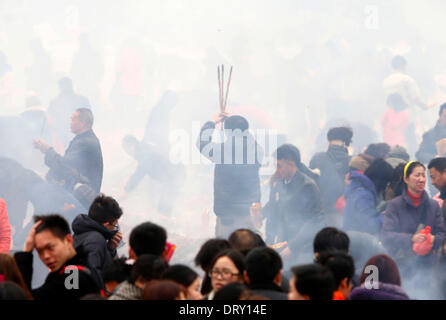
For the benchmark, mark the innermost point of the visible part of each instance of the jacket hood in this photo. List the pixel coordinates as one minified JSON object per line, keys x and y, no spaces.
{"x":83,"y":223}
{"x":390,"y":289}
{"x":359,"y":180}
{"x":424,"y":198}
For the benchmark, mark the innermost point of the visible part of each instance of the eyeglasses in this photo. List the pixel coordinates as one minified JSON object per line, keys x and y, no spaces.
{"x":225,"y":273}
{"x":115,"y":226}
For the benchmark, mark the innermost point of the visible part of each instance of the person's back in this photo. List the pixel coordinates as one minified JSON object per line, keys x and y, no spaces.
{"x":264,"y":273}
{"x":236,"y":174}
{"x":361,"y":202}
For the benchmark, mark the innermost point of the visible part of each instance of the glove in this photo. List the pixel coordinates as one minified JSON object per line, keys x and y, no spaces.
{"x":423,"y":248}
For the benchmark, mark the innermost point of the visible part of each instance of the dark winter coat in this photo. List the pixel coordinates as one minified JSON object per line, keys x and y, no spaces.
{"x":385,"y":291}
{"x":269,"y":290}
{"x":297,"y":209}
{"x":54,"y":287}
{"x":236,"y":183}
{"x":84,"y":155}
{"x":333,"y":166}
{"x":93,"y":238}
{"x":360,"y":212}
{"x":401,"y":221}
{"x":428,"y":150}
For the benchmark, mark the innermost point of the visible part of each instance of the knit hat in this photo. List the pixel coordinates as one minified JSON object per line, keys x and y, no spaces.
{"x":359,"y":163}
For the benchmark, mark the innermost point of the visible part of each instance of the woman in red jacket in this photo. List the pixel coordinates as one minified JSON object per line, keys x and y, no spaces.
{"x":5,"y":228}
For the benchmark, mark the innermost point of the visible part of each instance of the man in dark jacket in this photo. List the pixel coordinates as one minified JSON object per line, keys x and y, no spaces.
{"x":97,"y":233}
{"x":437,"y":171}
{"x":333,"y":166}
{"x":428,"y":150}
{"x":236,"y":176}
{"x":69,"y":278}
{"x":82,"y":162}
{"x":263,"y":273}
{"x":295,"y":205}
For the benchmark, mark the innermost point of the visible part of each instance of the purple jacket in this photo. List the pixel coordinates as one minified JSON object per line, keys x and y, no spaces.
{"x":402,"y":219}
{"x":385,"y":291}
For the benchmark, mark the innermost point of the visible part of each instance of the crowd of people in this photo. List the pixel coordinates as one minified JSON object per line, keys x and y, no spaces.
{"x":347,"y":226}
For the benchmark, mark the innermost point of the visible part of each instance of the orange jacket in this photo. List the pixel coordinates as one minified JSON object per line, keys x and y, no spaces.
{"x":5,"y":228}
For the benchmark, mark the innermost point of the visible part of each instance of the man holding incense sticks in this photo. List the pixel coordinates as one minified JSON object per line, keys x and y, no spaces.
{"x":236,"y":175}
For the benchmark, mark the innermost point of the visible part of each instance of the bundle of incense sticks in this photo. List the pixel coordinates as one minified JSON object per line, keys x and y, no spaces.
{"x":223,"y":98}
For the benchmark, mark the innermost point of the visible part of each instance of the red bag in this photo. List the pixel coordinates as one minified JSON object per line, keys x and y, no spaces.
{"x":423,"y":248}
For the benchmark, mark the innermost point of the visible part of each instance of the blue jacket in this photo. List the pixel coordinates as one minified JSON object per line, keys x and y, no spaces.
{"x":360,"y":212}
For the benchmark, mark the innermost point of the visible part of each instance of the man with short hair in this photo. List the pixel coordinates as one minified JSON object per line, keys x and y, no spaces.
{"x":81,"y":166}
{"x":330,"y":239}
{"x":147,"y":238}
{"x":294,"y":204}
{"x":311,"y":282}
{"x":244,"y":240}
{"x":98,"y":232}
{"x":437,"y":172}
{"x":263,"y":273}
{"x":343,"y":268}
{"x":333,"y":166}
{"x":69,"y":278}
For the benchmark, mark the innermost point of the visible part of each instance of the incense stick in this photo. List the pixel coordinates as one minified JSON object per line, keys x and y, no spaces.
{"x":227,"y":90}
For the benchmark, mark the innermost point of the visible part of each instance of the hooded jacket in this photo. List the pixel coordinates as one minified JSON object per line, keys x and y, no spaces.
{"x":360,"y":212}
{"x":333,"y":165}
{"x":93,"y":238}
{"x":428,"y":150}
{"x":385,"y":291}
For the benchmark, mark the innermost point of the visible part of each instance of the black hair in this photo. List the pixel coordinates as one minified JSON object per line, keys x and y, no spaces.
{"x":398,"y":62}
{"x":330,"y":238}
{"x":232,"y":291}
{"x":104,"y":209}
{"x":344,"y":134}
{"x":54,"y":223}
{"x":245,"y":240}
{"x":288,"y":152}
{"x":397,"y":182}
{"x":148,"y":267}
{"x":181,"y":274}
{"x":412,"y":166}
{"x":116,"y":270}
{"x":262,"y":265}
{"x":148,"y":238}
{"x":236,"y":122}
{"x":315,"y":281}
{"x":209,"y":250}
{"x":380,"y":172}
{"x":340,"y":263}
{"x":438,"y":164}
{"x":236,"y":257}
{"x":205,"y":257}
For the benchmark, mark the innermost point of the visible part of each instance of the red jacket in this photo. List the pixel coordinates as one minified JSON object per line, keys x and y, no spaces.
{"x":5,"y":228}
